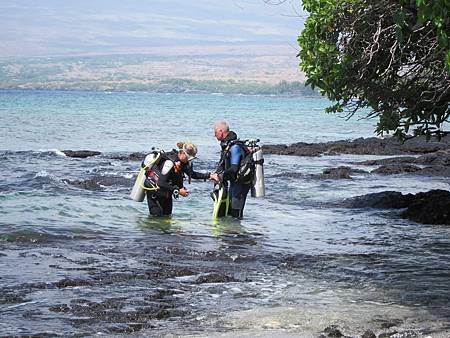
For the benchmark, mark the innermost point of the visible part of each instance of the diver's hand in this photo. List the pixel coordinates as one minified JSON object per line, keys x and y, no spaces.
{"x":214,"y":177}
{"x":184,"y":192}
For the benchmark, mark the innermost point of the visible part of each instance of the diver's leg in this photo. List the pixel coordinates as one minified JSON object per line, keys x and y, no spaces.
{"x":167,"y":204}
{"x":238,"y":196}
{"x":154,"y":207}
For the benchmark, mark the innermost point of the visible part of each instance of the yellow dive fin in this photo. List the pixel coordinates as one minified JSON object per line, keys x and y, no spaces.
{"x":221,"y":202}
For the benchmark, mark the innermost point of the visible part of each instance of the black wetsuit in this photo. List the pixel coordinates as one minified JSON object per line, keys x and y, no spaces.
{"x":165,"y":175}
{"x":230,"y":159}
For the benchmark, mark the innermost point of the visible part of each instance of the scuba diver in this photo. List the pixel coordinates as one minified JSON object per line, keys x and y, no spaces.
{"x":164,"y":177}
{"x":226,"y":175}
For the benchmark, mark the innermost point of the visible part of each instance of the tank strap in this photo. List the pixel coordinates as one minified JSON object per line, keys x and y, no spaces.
{"x":261,"y":161}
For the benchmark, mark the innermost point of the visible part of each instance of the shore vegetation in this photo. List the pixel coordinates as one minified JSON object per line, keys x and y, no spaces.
{"x":390,"y":57}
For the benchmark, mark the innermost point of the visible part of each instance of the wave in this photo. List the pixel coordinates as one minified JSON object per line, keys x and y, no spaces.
{"x":39,"y":152}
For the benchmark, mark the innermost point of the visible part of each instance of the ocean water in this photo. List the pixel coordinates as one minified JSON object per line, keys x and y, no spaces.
{"x":79,"y":261}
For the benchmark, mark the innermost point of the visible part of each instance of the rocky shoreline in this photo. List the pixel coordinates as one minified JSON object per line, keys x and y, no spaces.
{"x":432,"y":158}
{"x":361,"y":146}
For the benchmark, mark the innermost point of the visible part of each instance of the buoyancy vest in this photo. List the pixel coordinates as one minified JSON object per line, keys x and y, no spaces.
{"x":246,"y":167}
{"x":164,"y":174}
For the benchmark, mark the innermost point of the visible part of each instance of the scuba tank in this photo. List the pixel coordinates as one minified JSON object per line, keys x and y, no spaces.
{"x":258,"y":187}
{"x":138,"y":192}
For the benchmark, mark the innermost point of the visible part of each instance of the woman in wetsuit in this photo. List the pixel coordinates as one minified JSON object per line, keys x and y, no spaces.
{"x":165,"y":178}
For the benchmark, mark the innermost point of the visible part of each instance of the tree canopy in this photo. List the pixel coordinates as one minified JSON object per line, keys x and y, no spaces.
{"x":390,"y":56}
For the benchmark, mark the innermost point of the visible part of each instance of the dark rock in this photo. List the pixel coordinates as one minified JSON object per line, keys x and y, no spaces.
{"x":81,"y":153}
{"x":385,"y":199}
{"x":368,"y":334}
{"x":396,"y":169}
{"x":361,"y":146}
{"x":437,"y":158}
{"x":130,"y":157}
{"x":340,"y":172}
{"x":292,"y":174}
{"x":214,"y":278}
{"x":387,"y":324}
{"x":436,"y":170}
{"x":66,"y":282}
{"x":10,"y":298}
{"x":99,"y":182}
{"x":387,"y":161}
{"x":438,"y":164}
{"x":333,"y":331}
{"x":432,"y":207}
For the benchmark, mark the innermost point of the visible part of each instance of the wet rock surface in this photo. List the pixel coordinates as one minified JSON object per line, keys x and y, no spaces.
{"x":432,"y":207}
{"x":96,"y":183}
{"x":81,"y":153}
{"x":129,"y":157}
{"x":361,"y":146}
{"x":433,"y":164}
{"x":340,"y":172}
{"x":118,"y":287}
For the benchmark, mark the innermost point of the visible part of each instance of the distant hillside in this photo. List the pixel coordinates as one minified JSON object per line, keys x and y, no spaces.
{"x":224,"y":71}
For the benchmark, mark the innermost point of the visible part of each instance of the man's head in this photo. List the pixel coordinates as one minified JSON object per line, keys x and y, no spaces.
{"x":221,"y":130}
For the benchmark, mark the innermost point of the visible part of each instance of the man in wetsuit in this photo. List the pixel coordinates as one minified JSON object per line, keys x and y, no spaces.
{"x":226,"y":173}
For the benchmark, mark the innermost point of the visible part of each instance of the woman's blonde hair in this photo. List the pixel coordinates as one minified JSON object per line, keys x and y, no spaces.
{"x":189,"y":147}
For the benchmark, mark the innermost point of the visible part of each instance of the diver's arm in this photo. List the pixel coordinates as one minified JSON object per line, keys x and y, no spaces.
{"x":189,"y":170}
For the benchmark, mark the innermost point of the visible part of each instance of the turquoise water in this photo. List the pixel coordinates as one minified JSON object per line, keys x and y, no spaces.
{"x":310,"y":263}
{"x":136,"y":121}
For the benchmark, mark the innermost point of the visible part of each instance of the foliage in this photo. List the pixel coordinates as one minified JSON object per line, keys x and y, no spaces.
{"x":391,"y":56}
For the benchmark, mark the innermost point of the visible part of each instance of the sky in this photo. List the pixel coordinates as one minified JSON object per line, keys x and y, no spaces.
{"x":81,"y":27}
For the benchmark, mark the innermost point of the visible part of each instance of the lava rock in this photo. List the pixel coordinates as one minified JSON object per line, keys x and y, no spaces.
{"x":332,"y":331}
{"x":361,"y":146}
{"x":340,"y":172}
{"x":99,"y":182}
{"x":384,"y":200}
{"x":432,"y":207}
{"x":396,"y":169}
{"x":368,"y":334}
{"x":81,"y":153}
{"x":130,"y":157}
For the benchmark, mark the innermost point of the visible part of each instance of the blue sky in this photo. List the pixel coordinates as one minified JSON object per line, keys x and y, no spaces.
{"x":77,"y":27}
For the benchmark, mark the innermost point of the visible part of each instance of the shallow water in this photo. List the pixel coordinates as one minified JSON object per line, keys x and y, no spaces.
{"x":88,"y":262}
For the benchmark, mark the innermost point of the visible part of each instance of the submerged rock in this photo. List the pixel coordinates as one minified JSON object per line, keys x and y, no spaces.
{"x":214,"y":278}
{"x":100,"y":182}
{"x":129,"y":157}
{"x":432,"y":207}
{"x":332,"y":331}
{"x":384,"y":200}
{"x":81,"y":153}
{"x":396,"y":169}
{"x":340,"y":172}
{"x":438,"y":164}
{"x":368,"y":334}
